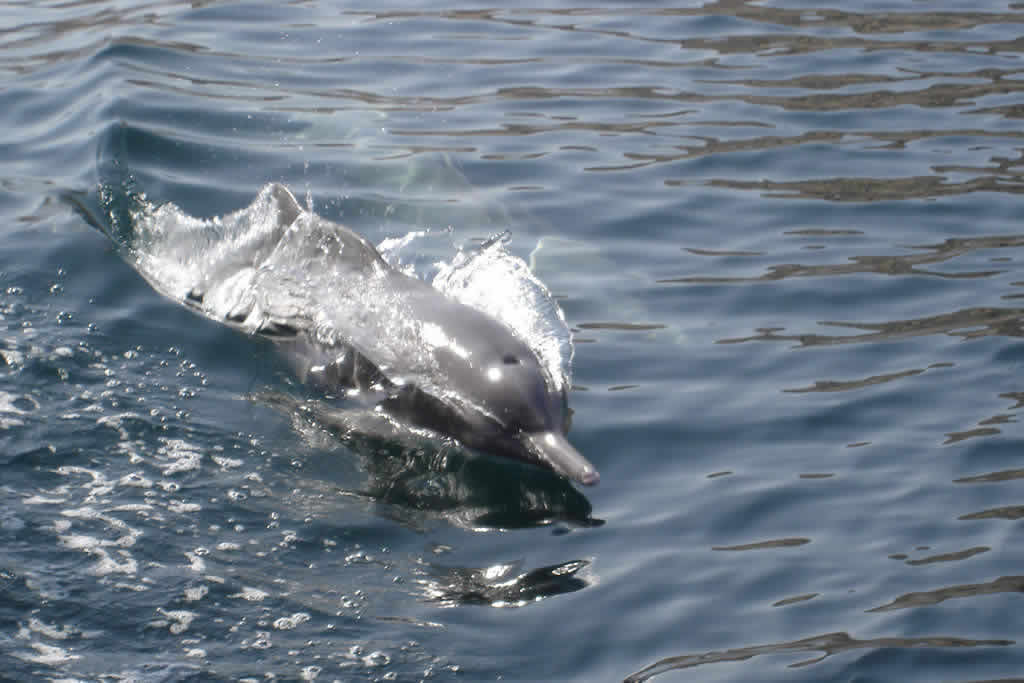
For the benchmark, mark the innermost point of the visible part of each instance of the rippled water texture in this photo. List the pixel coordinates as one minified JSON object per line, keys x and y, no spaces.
{"x":786,"y":239}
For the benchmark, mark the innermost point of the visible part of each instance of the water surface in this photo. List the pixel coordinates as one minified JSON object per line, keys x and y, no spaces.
{"x":785,"y":239}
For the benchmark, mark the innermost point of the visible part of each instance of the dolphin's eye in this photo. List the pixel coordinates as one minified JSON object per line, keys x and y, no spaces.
{"x":509,"y":359}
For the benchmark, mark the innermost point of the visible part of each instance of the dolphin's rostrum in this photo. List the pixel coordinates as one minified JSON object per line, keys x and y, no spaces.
{"x":470,"y":376}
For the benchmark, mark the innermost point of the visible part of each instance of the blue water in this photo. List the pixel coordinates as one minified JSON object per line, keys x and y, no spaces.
{"x":786,"y":238}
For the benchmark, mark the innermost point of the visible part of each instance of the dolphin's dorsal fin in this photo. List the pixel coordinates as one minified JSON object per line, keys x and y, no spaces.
{"x":288,"y":208}
{"x":359,"y":250}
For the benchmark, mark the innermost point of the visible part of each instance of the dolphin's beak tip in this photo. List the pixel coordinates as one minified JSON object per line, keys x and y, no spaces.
{"x":553,"y":450}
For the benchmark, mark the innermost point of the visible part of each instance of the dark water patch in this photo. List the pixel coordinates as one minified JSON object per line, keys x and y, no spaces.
{"x":1006,"y":512}
{"x":796,"y":599}
{"x":954,"y":437}
{"x":872,"y":189}
{"x":823,"y":232}
{"x":1005,"y":584}
{"x":831,"y":385}
{"x":901,"y":265}
{"x":711,"y":252}
{"x":949,"y":557}
{"x":621,"y":327}
{"x":1004,"y":475}
{"x":971,"y":323}
{"x":828,"y":645}
{"x":765,"y":545}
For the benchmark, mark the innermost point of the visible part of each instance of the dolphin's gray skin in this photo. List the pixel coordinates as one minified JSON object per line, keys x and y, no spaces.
{"x":492,"y":392}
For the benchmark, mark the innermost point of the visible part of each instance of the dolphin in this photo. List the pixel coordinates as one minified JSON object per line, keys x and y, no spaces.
{"x":476,"y":381}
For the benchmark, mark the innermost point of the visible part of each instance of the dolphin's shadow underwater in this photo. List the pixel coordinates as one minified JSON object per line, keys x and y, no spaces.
{"x":356,"y":328}
{"x":412,"y":476}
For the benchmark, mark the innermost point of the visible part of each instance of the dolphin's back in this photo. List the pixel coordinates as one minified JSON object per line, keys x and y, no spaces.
{"x":266,"y":269}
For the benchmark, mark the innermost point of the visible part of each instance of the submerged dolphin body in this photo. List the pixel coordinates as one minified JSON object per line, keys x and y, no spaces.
{"x":456,"y":370}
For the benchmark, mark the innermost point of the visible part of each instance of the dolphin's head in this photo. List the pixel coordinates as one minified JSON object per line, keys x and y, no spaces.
{"x":497,"y":396}
{"x":509,"y":406}
{"x":503,"y":402}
